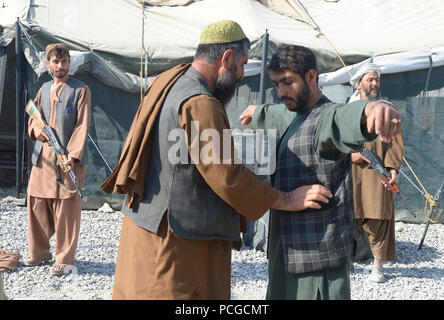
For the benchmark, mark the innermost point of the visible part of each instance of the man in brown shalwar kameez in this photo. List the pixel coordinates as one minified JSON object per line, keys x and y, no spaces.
{"x":54,"y":206}
{"x":182,"y":217}
{"x":374,"y":204}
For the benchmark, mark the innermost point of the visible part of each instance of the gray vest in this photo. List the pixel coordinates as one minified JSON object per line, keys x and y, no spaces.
{"x":195,"y":211}
{"x":315,"y":239}
{"x":66,"y":114}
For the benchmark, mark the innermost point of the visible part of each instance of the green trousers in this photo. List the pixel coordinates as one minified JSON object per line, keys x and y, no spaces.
{"x":329,"y":284}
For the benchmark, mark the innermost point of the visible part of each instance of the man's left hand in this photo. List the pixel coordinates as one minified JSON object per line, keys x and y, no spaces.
{"x":387,"y":183}
{"x":247,"y":115}
{"x":69,"y":163}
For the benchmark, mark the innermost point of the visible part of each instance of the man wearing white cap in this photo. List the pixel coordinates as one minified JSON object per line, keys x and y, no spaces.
{"x":374,"y":204}
{"x":366,"y":82}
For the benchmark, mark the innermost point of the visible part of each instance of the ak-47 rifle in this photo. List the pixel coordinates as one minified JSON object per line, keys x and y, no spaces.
{"x":385,"y":175}
{"x":54,"y":142}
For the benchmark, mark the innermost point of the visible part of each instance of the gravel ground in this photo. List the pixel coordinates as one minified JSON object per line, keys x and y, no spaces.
{"x":416,"y":275}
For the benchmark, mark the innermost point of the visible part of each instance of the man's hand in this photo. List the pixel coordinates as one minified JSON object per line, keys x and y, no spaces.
{"x":303,"y":198}
{"x":40,"y":134}
{"x":358,"y":158}
{"x":247,"y":115}
{"x":387,"y":183}
{"x":382,"y":118}
{"x":67,"y":164}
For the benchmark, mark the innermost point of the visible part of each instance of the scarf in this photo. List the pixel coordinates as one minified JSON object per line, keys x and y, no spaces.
{"x":128,"y":177}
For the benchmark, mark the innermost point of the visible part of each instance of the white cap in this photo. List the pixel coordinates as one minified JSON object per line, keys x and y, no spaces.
{"x":369,"y":67}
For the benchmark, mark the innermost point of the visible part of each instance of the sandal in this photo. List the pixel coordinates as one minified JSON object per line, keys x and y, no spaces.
{"x":60,"y":269}
{"x":32,"y":262}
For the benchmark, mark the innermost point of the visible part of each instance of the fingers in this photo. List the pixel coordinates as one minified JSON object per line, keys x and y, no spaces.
{"x":67,"y":164}
{"x":312,"y":205}
{"x":381,"y":120}
{"x":245,"y":118}
{"x":356,"y":158}
{"x":396,"y":126}
{"x":40,"y":135}
{"x":394,"y":175}
{"x":384,"y":120}
{"x":313,"y":195}
{"x":247,"y":115}
{"x":387,"y":184}
{"x":309,"y":196}
{"x":317,"y":192}
{"x":365,"y":159}
{"x":245,"y":121}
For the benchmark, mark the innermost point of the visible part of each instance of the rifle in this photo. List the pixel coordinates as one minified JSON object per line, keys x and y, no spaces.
{"x":54,"y":142}
{"x":385,"y":175}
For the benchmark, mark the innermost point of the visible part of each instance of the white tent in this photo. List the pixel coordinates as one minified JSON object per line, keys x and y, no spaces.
{"x":113,"y":41}
{"x":398,"y":35}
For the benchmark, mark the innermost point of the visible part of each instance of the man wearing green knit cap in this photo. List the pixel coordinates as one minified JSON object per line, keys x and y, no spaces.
{"x":222,"y":32}
{"x":184,"y":212}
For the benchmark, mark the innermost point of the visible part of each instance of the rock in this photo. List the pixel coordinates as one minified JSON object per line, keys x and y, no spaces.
{"x":10,"y":199}
{"x":105,"y":208}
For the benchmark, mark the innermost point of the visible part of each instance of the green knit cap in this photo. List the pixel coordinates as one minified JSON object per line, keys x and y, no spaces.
{"x":222,"y":32}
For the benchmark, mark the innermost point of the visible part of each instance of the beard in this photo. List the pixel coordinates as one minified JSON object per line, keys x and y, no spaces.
{"x":60,"y":73}
{"x":371,"y":96}
{"x":301,"y":100}
{"x":226,"y":85}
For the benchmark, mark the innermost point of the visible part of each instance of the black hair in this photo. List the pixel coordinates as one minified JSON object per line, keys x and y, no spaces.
{"x":297,"y":59}
{"x":59,"y":51}
{"x":210,"y":52}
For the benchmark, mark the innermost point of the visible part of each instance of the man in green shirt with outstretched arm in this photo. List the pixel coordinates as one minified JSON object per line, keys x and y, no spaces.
{"x":309,"y":252}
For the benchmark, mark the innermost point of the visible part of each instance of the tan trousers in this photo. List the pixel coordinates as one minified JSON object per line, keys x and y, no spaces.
{"x":49,"y":216}
{"x":164,"y":266}
{"x":381,"y":236}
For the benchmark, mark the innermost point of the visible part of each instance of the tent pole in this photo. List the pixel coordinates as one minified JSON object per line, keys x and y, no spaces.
{"x":19,"y":108}
{"x":264,"y":66}
{"x":429,"y":73}
{"x":250,"y":226}
{"x":100,"y":153}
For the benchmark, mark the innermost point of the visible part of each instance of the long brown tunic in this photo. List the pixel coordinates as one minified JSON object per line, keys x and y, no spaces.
{"x":374,"y":204}
{"x":42,"y":181}
{"x":165,"y":266}
{"x":51,"y":208}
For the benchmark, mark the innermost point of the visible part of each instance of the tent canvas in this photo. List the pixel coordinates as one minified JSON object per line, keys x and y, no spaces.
{"x":117,"y":40}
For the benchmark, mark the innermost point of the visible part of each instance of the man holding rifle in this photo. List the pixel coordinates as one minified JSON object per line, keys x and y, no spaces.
{"x":54,"y":203}
{"x":374,"y":203}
